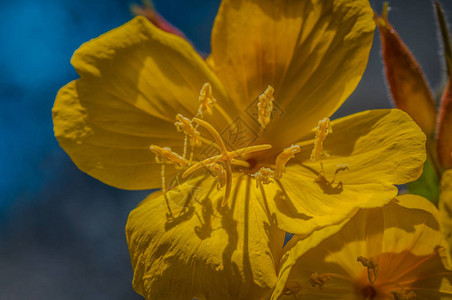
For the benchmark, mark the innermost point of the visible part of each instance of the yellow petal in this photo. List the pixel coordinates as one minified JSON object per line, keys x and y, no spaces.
{"x":312,"y":52}
{"x":402,"y":237}
{"x":380,"y":148}
{"x":201,"y":249}
{"x":134,"y":81}
{"x":445,"y":207}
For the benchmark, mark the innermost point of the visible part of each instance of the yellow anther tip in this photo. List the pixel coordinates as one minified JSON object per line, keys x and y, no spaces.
{"x":265,"y":106}
{"x":206,"y":100}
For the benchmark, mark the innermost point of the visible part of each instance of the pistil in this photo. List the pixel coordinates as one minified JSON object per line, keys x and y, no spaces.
{"x":221,"y":164}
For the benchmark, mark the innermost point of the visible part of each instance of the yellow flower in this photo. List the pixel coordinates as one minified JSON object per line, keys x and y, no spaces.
{"x":394,"y":252}
{"x":240,"y":144}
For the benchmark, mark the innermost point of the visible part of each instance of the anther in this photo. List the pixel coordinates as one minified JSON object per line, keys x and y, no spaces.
{"x":323,"y":129}
{"x":319,"y":280}
{"x":206,"y":100}
{"x":290,"y":291}
{"x":265,"y":107}
{"x":283,"y":158}
{"x":166,"y":156}
{"x":184,"y":125}
{"x":372,"y":267}
{"x":403,"y":294}
{"x":264,"y":175}
{"x":218,"y":171}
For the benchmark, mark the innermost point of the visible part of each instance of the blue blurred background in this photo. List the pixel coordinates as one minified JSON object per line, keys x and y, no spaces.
{"x":61,"y":231}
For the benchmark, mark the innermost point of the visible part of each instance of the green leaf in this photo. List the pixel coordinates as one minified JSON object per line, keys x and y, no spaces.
{"x":427,"y":185}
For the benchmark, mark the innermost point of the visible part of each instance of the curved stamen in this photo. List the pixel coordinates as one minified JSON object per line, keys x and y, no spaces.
{"x":283,"y":158}
{"x":165,"y":155}
{"x":372,"y":267}
{"x":206,"y":100}
{"x":184,"y":124}
{"x":323,"y":129}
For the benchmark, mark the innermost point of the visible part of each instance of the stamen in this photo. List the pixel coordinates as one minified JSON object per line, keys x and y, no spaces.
{"x":323,"y":129}
{"x":372,"y":267}
{"x":319,"y":280}
{"x":184,"y":125}
{"x":283,"y":158}
{"x":162,"y":174}
{"x":166,"y":156}
{"x":218,"y":171}
{"x":264,"y":175}
{"x":265,"y":107}
{"x":403,"y":294}
{"x":291,"y":291}
{"x":206,"y":100}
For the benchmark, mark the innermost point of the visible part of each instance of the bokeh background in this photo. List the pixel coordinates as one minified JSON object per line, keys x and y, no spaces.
{"x":61,"y":231}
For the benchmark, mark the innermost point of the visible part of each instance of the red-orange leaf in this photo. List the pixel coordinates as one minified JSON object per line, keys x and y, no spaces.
{"x":407,"y":84}
{"x":444,"y":136}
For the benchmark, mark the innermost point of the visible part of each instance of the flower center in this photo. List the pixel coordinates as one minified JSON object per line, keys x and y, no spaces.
{"x":243,"y":159}
{"x":369,"y":292}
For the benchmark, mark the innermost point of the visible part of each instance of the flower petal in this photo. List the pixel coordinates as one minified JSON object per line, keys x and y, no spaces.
{"x":369,"y":153}
{"x":201,"y":249}
{"x":134,"y":80}
{"x":312,"y":52}
{"x":404,"y":239}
